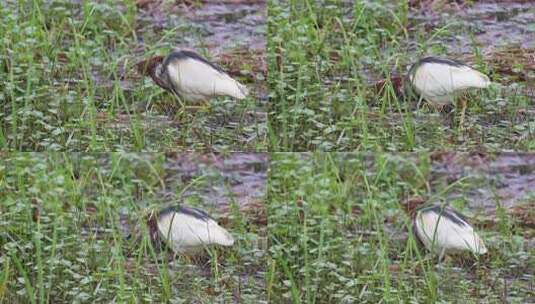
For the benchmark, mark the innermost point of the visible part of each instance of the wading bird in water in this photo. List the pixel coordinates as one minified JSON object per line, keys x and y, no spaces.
{"x":191,"y":77}
{"x":187,"y":230}
{"x":438,"y":80}
{"x":441,"y":229}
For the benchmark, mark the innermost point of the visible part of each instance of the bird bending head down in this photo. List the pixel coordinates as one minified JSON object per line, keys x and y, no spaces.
{"x":437,"y":80}
{"x":441,"y":229}
{"x":187,"y":229}
{"x":191,"y":77}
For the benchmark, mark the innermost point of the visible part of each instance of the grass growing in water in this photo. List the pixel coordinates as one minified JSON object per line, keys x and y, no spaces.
{"x":338,"y":235}
{"x":324,"y":56}
{"x":72,"y":229}
{"x":67,"y":82}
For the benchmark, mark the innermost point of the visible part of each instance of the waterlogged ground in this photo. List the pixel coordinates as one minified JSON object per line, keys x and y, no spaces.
{"x":73,"y":227}
{"x":338,"y":233}
{"x":492,"y":24}
{"x":496,"y":36}
{"x":237,"y":178}
{"x":326,"y":59}
{"x":506,"y":179}
{"x":68,"y":80}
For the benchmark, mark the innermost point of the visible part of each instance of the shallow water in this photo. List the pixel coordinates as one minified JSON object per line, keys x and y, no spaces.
{"x":237,"y":177}
{"x":506,"y":179}
{"x":214,"y":25}
{"x":495,"y":25}
{"x":489,"y":24}
{"x":482,"y":180}
{"x":240,"y":24}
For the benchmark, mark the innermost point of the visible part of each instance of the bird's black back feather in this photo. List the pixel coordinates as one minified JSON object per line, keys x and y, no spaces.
{"x":446,"y":61}
{"x":431,"y":59}
{"x":182,"y":54}
{"x":448,"y":213}
{"x":194,"y":212}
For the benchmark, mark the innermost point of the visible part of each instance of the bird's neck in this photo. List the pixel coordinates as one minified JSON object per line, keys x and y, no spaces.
{"x":153,"y":228}
{"x":157,"y":74}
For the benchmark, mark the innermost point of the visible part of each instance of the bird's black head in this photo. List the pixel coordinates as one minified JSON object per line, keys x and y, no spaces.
{"x":148,"y":68}
{"x":397,"y":83}
{"x":152,"y":224}
{"x":411,"y":204}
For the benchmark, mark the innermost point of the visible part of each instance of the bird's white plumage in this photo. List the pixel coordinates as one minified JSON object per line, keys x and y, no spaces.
{"x":197,"y":81}
{"x":440,"y":234}
{"x":185,"y":232}
{"x":437,"y":82}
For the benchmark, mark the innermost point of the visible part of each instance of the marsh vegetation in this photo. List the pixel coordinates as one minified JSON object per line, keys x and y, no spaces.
{"x":338,"y":233}
{"x":73,"y":228}
{"x":68,"y":80}
{"x":325,"y":57}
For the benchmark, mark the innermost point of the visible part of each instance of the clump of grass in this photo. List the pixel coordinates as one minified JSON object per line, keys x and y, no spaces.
{"x":317,"y":63}
{"x":338,"y":235}
{"x":73,"y":230}
{"x":68,"y":83}
{"x":323,"y":58}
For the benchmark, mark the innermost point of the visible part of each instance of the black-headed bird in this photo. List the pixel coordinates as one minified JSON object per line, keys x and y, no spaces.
{"x":439,"y":80}
{"x":442,"y":230}
{"x":191,"y":77}
{"x":187,"y":230}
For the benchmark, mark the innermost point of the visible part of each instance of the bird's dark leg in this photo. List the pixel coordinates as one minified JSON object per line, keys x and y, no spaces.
{"x":441,"y":255}
{"x":449,"y":111}
{"x":463,"y":111}
{"x":419,"y":102}
{"x":180,"y":102}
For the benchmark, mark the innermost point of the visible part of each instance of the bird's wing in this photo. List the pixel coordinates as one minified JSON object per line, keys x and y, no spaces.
{"x":426,"y":231}
{"x":436,"y":79}
{"x":184,"y":231}
{"x":196,"y":77}
{"x":449,"y":234}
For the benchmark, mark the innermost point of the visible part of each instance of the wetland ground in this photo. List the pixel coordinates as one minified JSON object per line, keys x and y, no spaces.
{"x":314,"y":227}
{"x":338,"y":234}
{"x":73,"y":227}
{"x":68,"y":81}
{"x":325,"y":57}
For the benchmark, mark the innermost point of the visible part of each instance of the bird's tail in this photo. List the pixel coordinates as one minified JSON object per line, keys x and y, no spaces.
{"x":242,"y":91}
{"x":477,"y":246}
{"x":481,"y":248}
{"x":222,"y":237}
{"x":481,"y":80}
{"x":226,"y":85}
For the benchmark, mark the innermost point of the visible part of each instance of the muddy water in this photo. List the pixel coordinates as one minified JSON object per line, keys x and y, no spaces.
{"x":238,"y":24}
{"x":505,"y":179}
{"x":237,"y":177}
{"x":216,"y":25}
{"x":490,"y":24}
{"x":482,"y":180}
{"x":496,"y":25}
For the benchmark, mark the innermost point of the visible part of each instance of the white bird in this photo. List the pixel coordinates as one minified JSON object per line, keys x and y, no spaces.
{"x":437,"y":80}
{"x":188,"y":229}
{"x":443,"y":230}
{"x":191,"y":77}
